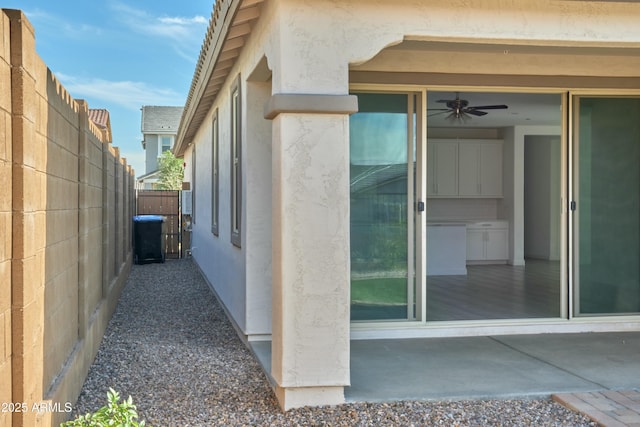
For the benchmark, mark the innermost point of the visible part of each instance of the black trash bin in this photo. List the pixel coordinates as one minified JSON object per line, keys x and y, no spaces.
{"x":148,"y":239}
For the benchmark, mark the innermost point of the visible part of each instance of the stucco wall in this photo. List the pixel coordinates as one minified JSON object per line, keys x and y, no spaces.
{"x":313,"y":52}
{"x":67,"y":197}
{"x":222,"y":263}
{"x":315,"y":48}
{"x":240,"y":276}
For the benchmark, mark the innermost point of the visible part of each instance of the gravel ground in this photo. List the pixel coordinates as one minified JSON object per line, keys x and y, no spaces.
{"x":170,"y":346}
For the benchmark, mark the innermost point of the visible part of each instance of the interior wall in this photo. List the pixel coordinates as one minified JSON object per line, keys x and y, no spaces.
{"x":542,"y":197}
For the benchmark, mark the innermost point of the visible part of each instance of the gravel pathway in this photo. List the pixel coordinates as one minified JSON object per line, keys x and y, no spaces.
{"x":170,"y":346}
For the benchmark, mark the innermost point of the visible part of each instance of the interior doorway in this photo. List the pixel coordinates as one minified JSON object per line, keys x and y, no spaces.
{"x":509,"y":168}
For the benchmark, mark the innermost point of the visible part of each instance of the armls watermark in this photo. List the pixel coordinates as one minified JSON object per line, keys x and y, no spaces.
{"x":40,"y":407}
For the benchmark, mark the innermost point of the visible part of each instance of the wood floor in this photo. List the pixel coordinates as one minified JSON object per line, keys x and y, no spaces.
{"x":487,"y":292}
{"x":496,"y":292}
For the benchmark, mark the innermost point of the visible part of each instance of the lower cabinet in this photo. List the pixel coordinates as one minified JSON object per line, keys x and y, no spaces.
{"x":488,"y":241}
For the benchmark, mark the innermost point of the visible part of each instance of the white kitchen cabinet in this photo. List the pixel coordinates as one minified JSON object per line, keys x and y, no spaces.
{"x":488,"y":241}
{"x":446,"y":249}
{"x":464,"y":168}
{"x":480,"y":166}
{"x":442,"y":169}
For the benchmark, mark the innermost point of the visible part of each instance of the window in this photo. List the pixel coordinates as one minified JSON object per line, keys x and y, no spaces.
{"x":236,"y":165}
{"x":214,"y":175}
{"x":165,"y":142}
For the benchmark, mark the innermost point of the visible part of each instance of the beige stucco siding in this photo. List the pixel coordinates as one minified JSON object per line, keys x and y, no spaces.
{"x":290,"y":278}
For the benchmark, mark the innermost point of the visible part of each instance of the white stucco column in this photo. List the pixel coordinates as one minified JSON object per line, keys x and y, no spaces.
{"x":311,"y":265}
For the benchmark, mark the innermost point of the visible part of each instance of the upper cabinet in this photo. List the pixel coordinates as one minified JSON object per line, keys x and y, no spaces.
{"x":480,"y":166}
{"x":464,"y":168}
{"x":442,"y":169}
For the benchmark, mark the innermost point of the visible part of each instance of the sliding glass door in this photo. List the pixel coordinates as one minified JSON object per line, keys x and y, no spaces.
{"x":381,"y":177}
{"x":607,"y":205}
{"x":557,"y":236}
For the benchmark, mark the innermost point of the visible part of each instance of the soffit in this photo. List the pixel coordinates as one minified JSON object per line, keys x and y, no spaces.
{"x":543,"y":58}
{"x":229,"y":27}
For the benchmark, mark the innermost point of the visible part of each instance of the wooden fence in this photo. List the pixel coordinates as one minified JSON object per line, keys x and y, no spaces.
{"x":167,"y":204}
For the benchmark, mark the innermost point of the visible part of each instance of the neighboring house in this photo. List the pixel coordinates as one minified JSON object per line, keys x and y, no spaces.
{"x":159,"y":128}
{"x":414,"y":169}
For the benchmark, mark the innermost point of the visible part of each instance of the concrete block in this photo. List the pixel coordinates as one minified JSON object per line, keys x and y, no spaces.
{"x":5,"y":384}
{"x":33,"y":190}
{"x":35,"y":418}
{"x":24,"y":102}
{"x":5,"y":285}
{"x":5,"y":236}
{"x":4,"y":350}
{"x":28,"y":279}
{"x":4,"y":37}
{"x":30,"y":321}
{"x":60,"y":257}
{"x":6,"y":179}
{"x":40,"y":157}
{"x":5,"y":137}
{"x":7,"y":335}
{"x":24,"y":195}
{"x":26,"y":240}
{"x":42,"y":124}
{"x":23,"y":39}
{"x":22,"y":136}
{"x":41,"y":74}
{"x":5,"y":85}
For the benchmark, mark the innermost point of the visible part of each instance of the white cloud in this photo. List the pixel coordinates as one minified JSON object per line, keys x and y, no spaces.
{"x":185,"y":34}
{"x":127,"y":94}
{"x":56,"y":25}
{"x":183,"y":21}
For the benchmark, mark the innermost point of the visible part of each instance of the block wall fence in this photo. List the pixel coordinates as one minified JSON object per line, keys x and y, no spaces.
{"x":66,"y":202}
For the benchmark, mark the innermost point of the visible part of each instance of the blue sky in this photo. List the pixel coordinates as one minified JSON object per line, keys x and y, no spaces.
{"x":120,"y":55}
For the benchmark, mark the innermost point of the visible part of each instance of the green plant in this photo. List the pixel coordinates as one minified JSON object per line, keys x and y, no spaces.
{"x":171,"y":171}
{"x":114,"y":414}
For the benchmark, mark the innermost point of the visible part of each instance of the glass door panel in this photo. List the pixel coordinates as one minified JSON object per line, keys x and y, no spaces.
{"x":607,"y":165}
{"x":380,"y":164}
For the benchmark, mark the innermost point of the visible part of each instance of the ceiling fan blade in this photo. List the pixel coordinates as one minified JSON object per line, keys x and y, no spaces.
{"x":489,"y":107}
{"x":442,"y":111}
{"x":476,"y":112}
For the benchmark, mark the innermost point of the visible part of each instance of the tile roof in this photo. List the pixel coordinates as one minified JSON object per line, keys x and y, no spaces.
{"x":100,"y":117}
{"x":230,"y":24}
{"x":161,"y":119}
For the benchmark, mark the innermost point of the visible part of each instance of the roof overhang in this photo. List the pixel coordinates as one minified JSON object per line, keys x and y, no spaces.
{"x":229,"y":27}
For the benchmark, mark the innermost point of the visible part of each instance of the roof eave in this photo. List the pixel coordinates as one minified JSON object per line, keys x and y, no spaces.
{"x":209,"y":53}
{"x":212,"y":68}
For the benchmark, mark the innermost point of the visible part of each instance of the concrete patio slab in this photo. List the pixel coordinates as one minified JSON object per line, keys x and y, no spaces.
{"x":522,"y":366}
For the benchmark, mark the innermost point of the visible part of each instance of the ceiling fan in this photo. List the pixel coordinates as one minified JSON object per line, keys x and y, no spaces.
{"x":459,"y":109}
